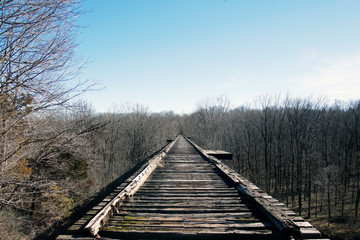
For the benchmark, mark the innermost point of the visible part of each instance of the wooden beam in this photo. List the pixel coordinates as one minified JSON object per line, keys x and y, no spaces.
{"x":219,"y":154}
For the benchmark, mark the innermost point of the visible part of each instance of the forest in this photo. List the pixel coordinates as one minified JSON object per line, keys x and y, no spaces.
{"x":57,"y":152}
{"x":304,"y":151}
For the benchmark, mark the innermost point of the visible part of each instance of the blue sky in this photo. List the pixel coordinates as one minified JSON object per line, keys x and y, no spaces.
{"x":171,"y":54}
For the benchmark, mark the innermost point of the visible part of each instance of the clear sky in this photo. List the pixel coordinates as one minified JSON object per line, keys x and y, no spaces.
{"x":171,"y":54}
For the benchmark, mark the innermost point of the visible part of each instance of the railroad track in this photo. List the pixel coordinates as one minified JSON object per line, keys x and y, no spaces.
{"x":183,"y":193}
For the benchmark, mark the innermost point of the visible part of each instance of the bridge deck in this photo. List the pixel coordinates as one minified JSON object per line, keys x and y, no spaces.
{"x":186,"y":197}
{"x":189,"y":195}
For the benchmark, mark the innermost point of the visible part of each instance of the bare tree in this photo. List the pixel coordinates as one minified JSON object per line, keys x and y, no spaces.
{"x":37,"y":73}
{"x":37,"y":63}
{"x":211,"y":114}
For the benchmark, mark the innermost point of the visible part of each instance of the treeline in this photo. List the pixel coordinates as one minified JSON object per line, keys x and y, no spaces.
{"x":301,"y":150}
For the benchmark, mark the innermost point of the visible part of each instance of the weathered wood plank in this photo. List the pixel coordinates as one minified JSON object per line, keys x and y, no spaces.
{"x":198,"y":198}
{"x":183,"y":204}
{"x":192,"y":235}
{"x":183,"y":226}
{"x":171,"y":210}
{"x":174,"y":219}
{"x":310,"y":233}
{"x":209,"y":195}
{"x":239,"y":215}
{"x":78,"y":237}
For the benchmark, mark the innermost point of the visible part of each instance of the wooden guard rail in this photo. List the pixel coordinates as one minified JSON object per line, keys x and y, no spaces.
{"x":100,"y":219}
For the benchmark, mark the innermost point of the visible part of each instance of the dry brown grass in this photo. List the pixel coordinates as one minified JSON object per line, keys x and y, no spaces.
{"x":337,"y":230}
{"x":10,"y":226}
{"x":340,"y":227}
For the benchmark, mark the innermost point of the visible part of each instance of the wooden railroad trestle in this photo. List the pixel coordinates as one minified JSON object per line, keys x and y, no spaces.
{"x":183,"y":193}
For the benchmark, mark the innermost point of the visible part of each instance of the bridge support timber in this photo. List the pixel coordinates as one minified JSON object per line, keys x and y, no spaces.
{"x":183,"y":193}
